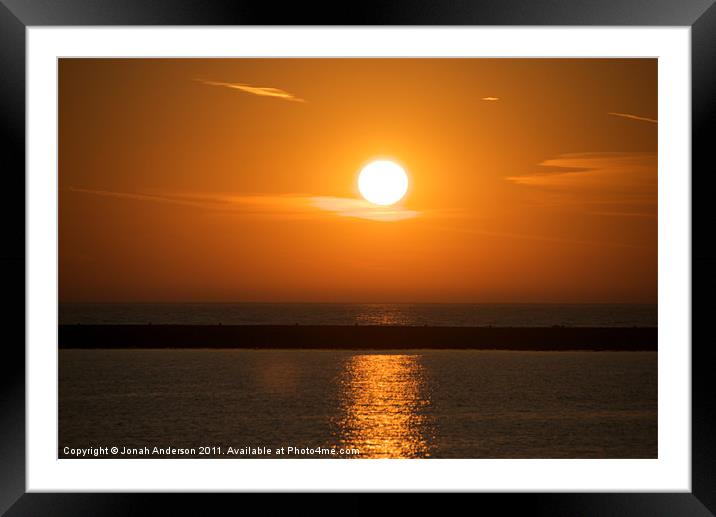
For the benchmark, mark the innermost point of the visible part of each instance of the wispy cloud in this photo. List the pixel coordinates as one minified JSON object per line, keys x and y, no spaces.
{"x":537,"y":238}
{"x":490,"y":99}
{"x":156,"y":198}
{"x":276,"y":206}
{"x":352,"y":207}
{"x":261,"y":91}
{"x":614,"y":184}
{"x":633,"y":117}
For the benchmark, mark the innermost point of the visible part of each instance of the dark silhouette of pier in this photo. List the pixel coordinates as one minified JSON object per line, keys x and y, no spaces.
{"x":357,"y":337}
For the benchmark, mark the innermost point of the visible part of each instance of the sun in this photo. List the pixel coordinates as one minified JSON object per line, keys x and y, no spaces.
{"x":383,"y":182}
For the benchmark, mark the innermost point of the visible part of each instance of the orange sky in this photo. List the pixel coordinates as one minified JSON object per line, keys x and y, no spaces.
{"x":531,"y":180}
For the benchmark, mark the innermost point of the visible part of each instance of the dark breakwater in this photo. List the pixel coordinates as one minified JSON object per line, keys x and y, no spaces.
{"x":358,"y":337}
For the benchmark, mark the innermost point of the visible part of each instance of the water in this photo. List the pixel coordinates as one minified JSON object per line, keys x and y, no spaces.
{"x":458,"y":315}
{"x":407,"y":404}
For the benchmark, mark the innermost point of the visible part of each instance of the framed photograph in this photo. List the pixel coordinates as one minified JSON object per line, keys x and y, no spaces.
{"x":445,"y":249}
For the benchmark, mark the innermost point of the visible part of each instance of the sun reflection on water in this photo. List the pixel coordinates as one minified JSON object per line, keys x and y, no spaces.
{"x":383,"y":400}
{"x":374,"y":314}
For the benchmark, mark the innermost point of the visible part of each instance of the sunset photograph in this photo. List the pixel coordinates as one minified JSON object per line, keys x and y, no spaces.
{"x":357,"y":258}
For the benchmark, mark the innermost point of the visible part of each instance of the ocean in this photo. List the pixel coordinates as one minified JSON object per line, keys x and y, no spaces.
{"x":232,"y":404}
{"x":449,"y":315}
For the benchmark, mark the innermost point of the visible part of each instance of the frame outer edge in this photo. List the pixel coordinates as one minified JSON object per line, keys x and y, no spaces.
{"x":703,"y":417}
{"x":12,"y":258}
{"x":12,"y":89}
{"x":367,"y":12}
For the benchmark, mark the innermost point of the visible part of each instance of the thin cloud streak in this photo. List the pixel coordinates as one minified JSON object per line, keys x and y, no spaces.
{"x":608,"y":184}
{"x":281,"y":206}
{"x":261,"y":91}
{"x":140,"y":197}
{"x":491,"y":99}
{"x":626,"y":214}
{"x":538,"y":238}
{"x":633,"y":117}
{"x":351,"y":207}
{"x":589,"y":170}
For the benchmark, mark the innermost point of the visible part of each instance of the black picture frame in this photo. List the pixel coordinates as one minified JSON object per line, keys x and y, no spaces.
{"x":17,"y":15}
